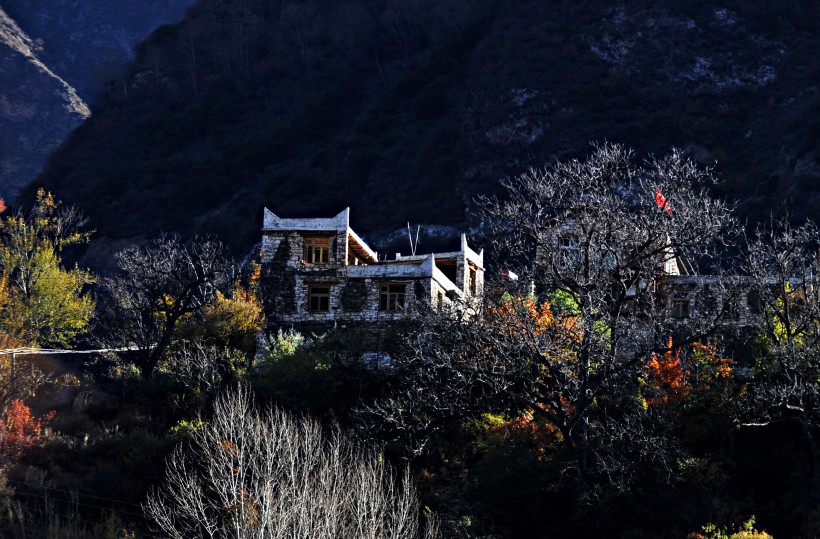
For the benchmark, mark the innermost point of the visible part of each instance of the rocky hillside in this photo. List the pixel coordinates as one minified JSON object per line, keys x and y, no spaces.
{"x":405,"y":110}
{"x":37,"y":108}
{"x":55,"y":55}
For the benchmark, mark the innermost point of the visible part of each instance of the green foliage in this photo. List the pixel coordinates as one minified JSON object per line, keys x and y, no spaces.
{"x":323,"y":374}
{"x":42,"y":302}
{"x":185,"y":428}
{"x":282,"y":346}
{"x":56,"y":307}
{"x":564,"y":302}
{"x":743,"y":531}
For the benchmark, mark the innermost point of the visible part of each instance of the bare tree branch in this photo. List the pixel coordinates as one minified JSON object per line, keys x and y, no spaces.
{"x":155,"y":287}
{"x":269,"y":475}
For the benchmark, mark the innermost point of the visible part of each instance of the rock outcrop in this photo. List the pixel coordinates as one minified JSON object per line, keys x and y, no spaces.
{"x":37,"y":108}
{"x":55,"y":56}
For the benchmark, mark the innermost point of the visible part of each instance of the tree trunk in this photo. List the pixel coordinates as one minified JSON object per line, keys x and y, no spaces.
{"x":158,"y":351}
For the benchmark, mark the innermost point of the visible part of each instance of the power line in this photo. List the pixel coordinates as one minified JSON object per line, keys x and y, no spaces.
{"x":78,"y":519}
{"x":110,"y":526}
{"x":44,"y":497}
{"x":53,"y":351}
{"x":73,"y":492}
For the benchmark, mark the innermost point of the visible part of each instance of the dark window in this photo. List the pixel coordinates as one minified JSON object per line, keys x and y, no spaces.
{"x":472,"y":282}
{"x":319,"y":299}
{"x":569,"y":254}
{"x":317,"y":250}
{"x":448,"y":268}
{"x":734,"y":310}
{"x":391,"y":297}
{"x":610,"y":261}
{"x":680,"y":305}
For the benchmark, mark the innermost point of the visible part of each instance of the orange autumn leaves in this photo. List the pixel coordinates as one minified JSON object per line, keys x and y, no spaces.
{"x":524,"y":316}
{"x":667,"y":375}
{"x":20,"y":429}
{"x":673,"y":381}
{"x":529,"y":431}
{"x":554,"y":336}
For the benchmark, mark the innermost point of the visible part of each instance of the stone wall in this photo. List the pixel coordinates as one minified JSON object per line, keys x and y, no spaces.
{"x":354,"y":290}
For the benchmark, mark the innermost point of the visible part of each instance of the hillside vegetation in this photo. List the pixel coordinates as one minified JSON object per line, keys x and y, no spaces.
{"x":404,"y":110}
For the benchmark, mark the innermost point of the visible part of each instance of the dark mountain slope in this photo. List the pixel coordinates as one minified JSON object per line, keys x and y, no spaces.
{"x":55,"y":55}
{"x":405,"y":110}
{"x":37,"y":108}
{"x":89,"y":42}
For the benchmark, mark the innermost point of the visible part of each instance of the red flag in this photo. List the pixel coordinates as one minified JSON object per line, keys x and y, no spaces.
{"x":660,"y":200}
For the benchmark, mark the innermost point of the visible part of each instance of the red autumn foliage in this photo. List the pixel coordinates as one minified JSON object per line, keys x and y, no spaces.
{"x":19,"y":429}
{"x":528,"y":431}
{"x":705,"y":375}
{"x":668,"y":375}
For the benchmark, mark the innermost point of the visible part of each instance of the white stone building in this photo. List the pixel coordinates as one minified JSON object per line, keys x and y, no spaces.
{"x":318,"y":273}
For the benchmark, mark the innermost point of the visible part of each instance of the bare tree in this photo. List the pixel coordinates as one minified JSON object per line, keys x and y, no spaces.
{"x":604,"y":232}
{"x":353,"y":26}
{"x":155,"y":287}
{"x":234,"y":31}
{"x":303,"y":23}
{"x":413,"y":24}
{"x":269,"y":475}
{"x":201,"y":369}
{"x":188,"y":38}
{"x":783,"y":266}
{"x":155,"y":61}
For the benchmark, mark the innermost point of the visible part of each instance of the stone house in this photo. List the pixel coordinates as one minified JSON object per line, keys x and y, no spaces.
{"x":684,"y":293}
{"x":318,"y":273}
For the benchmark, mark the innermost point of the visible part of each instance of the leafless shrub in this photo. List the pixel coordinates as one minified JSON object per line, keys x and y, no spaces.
{"x":201,"y":369}
{"x":269,"y":475}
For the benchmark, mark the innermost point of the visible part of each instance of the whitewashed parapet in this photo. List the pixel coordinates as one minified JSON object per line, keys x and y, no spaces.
{"x":472,"y":256}
{"x":395,"y":271}
{"x":340,"y":223}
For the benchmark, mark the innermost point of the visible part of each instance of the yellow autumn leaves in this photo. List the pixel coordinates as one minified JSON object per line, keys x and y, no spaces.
{"x":41,"y":301}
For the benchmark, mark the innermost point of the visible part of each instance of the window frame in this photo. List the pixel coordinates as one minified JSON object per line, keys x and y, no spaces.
{"x":315,"y":294}
{"x":681,"y":307}
{"x":391,"y":299}
{"x":472,"y":280}
{"x":317,"y":245}
{"x":569,"y":254}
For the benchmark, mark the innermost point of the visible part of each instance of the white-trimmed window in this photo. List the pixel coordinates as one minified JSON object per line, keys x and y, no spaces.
{"x":317,"y":251}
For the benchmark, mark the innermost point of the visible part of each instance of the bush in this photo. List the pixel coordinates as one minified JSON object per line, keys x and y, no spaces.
{"x":270,"y":475}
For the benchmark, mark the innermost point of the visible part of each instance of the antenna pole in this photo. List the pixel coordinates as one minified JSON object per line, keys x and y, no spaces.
{"x":413,"y":243}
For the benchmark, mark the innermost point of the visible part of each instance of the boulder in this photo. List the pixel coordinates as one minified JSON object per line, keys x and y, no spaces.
{"x":93,"y":402}
{"x":65,"y":396}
